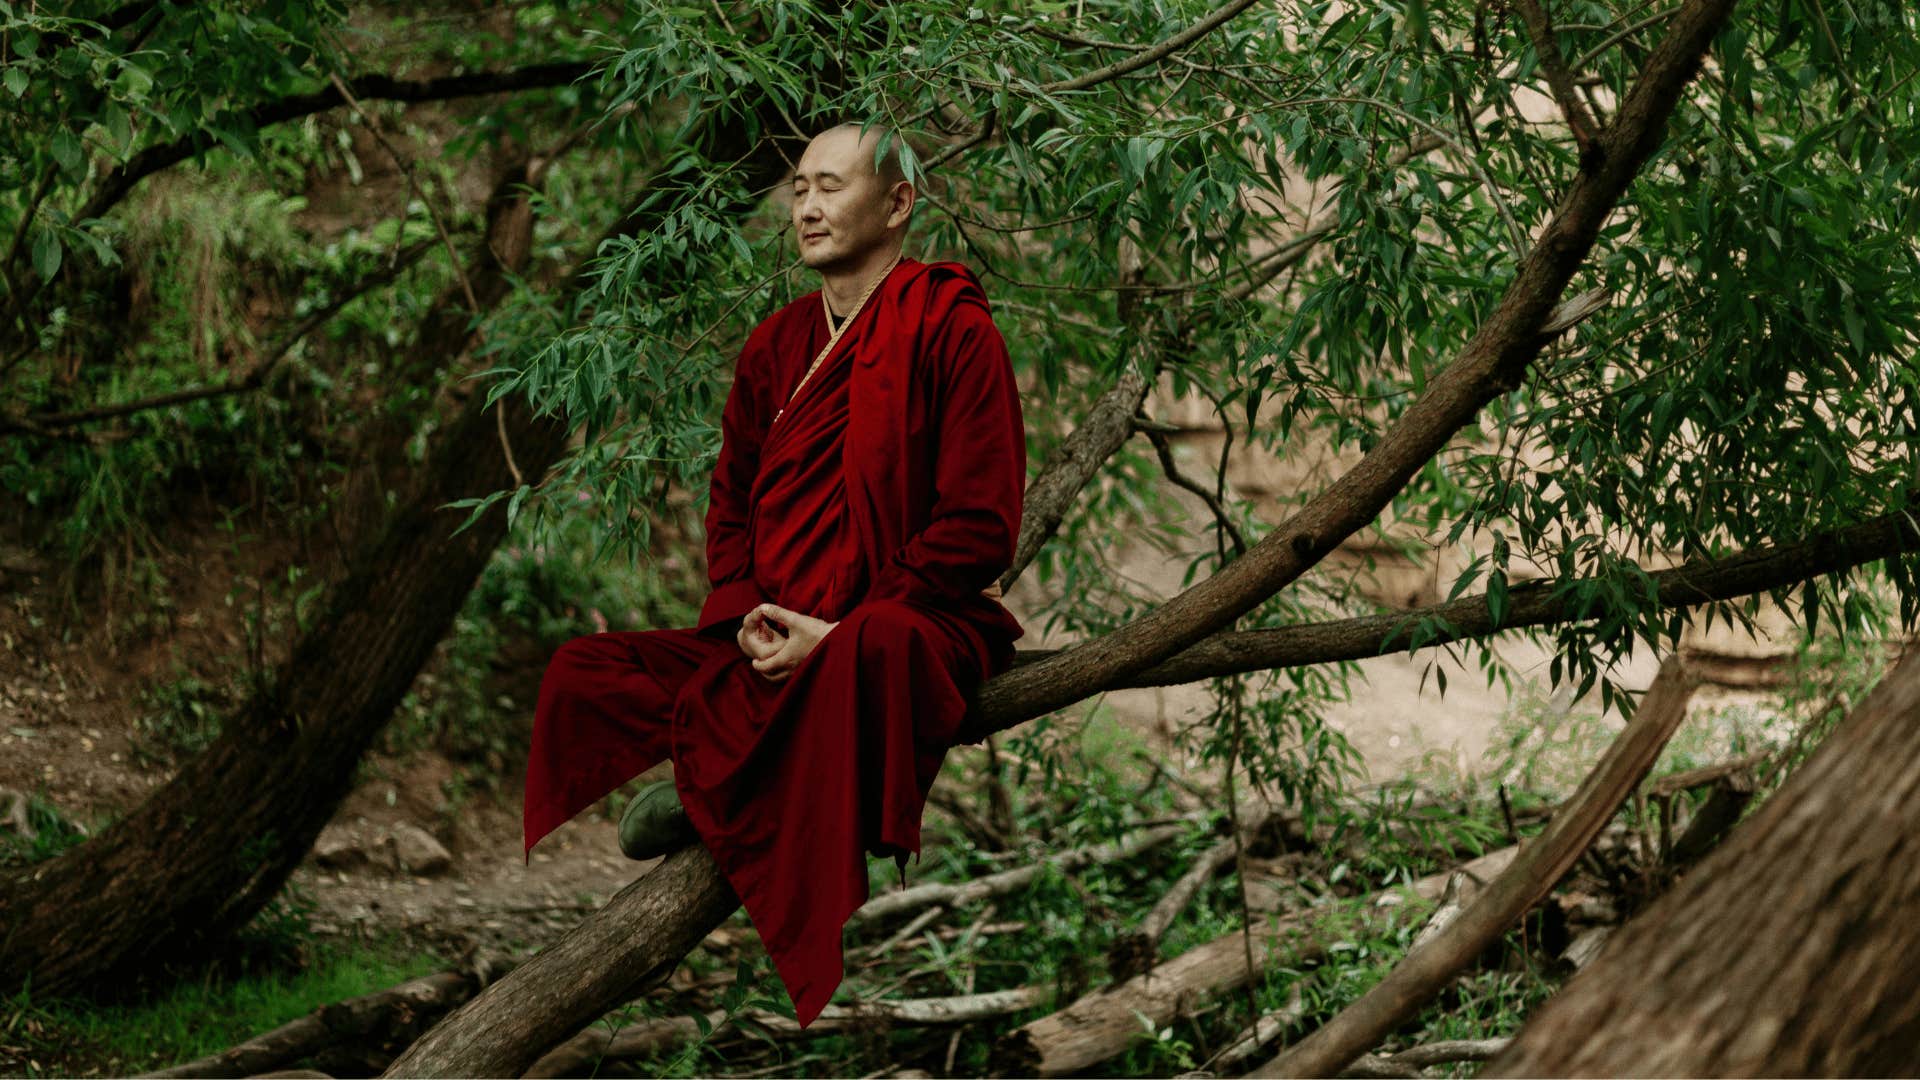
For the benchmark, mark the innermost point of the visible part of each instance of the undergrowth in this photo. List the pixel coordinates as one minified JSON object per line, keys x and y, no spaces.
{"x":194,"y":1016}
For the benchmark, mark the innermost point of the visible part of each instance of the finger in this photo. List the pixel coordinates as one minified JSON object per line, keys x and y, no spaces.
{"x":788,"y":618}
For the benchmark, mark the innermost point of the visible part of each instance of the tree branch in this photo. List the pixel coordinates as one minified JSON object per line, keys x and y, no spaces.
{"x":255,"y":375}
{"x":115,"y":185}
{"x":1493,"y":362}
{"x":1559,"y":77}
{"x":1427,"y":970}
{"x":1536,"y":604}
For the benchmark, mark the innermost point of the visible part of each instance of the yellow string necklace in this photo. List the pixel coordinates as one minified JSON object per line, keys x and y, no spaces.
{"x":834,"y":331}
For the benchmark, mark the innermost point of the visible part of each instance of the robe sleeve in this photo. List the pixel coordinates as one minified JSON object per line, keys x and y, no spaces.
{"x":979,"y":472}
{"x":743,"y":425}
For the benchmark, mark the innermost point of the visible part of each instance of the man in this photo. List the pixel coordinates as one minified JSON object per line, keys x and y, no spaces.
{"x":866,"y":497}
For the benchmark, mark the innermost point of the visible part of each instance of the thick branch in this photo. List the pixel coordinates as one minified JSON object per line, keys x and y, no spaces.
{"x":1761,"y":570}
{"x":115,"y":185}
{"x":1494,"y":362}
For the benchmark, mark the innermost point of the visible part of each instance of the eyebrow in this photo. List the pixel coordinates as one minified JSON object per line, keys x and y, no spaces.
{"x":822,"y":175}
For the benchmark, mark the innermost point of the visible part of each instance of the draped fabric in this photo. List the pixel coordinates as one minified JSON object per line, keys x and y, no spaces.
{"x":884,"y":498}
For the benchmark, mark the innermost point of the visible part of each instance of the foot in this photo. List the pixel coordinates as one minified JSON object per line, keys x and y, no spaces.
{"x":655,"y":823}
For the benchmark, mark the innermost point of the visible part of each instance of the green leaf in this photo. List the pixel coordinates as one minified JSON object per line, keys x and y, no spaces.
{"x":66,"y":151}
{"x":16,"y":80}
{"x":46,"y":254}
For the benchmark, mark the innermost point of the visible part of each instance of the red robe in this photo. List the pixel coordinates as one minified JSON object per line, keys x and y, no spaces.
{"x":886,"y":498}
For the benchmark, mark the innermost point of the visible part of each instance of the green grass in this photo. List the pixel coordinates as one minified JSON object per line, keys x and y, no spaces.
{"x":192,"y":1018}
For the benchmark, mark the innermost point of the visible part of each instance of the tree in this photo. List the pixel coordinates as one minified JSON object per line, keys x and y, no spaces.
{"x":1591,"y":340}
{"x":175,"y":875}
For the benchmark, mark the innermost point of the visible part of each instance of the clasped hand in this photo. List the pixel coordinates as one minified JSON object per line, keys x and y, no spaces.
{"x":779,"y":639}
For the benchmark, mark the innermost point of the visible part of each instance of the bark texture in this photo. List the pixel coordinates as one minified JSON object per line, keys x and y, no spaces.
{"x":637,"y":939}
{"x":1792,"y":950}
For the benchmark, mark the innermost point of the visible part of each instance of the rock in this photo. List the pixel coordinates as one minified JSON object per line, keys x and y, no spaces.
{"x":418,"y":852}
{"x":340,"y":847}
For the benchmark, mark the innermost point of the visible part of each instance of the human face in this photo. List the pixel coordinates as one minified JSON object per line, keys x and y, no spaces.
{"x":841,"y":210}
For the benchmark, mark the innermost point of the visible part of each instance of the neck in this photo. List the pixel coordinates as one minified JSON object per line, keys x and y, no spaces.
{"x":843,"y":285}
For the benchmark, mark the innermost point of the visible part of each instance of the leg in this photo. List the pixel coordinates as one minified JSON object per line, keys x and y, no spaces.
{"x":602,"y":717}
{"x":790,"y":785}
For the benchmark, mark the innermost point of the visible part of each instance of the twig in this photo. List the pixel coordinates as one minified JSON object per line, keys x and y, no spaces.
{"x":413,"y":185}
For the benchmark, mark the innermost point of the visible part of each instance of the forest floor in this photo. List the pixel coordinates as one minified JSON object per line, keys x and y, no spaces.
{"x":78,"y":736}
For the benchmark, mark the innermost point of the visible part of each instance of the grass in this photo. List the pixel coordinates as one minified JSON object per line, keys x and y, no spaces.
{"x":193,"y":1017}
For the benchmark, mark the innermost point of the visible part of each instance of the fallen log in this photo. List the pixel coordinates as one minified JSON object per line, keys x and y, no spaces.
{"x":1232,"y":1059}
{"x":1103,"y":1024}
{"x":1542,"y":861}
{"x":365,"y":1031}
{"x":580,"y":1055}
{"x":1409,"y":1062}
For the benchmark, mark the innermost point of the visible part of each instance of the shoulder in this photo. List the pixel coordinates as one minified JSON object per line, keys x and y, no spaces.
{"x":954,"y":286}
{"x":786,"y":321}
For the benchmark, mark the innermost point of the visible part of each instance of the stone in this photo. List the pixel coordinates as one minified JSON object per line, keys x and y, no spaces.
{"x":418,"y":852}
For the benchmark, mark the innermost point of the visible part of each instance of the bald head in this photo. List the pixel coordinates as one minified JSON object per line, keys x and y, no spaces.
{"x":889,"y":170}
{"x":844,"y":208}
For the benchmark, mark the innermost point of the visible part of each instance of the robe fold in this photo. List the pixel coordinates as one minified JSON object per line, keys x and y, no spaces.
{"x":884,"y":498}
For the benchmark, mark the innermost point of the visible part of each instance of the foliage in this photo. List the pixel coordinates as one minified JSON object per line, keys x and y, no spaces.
{"x":546,"y":584}
{"x":49,"y":832}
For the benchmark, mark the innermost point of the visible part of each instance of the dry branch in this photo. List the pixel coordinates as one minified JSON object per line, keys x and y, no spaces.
{"x":889,"y":905}
{"x":1104,"y":1023}
{"x":1135,"y":952}
{"x":1428,"y":968}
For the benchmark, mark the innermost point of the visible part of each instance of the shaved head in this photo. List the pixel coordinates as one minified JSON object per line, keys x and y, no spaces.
{"x":890,"y":170}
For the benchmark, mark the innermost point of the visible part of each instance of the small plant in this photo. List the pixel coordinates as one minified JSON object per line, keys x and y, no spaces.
{"x":47,"y":832}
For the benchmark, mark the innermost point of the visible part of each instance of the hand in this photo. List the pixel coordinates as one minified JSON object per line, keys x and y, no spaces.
{"x":803,"y":633}
{"x":757,"y":636}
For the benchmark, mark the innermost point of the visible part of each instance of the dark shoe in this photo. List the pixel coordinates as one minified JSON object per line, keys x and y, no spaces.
{"x":655,"y":823}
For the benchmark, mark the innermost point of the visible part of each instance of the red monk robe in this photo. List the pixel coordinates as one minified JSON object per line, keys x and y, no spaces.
{"x":886,"y":497}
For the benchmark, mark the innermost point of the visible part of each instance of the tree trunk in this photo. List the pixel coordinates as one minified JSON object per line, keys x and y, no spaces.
{"x":1792,"y":950}
{"x":200,"y":857}
{"x":1493,"y":362}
